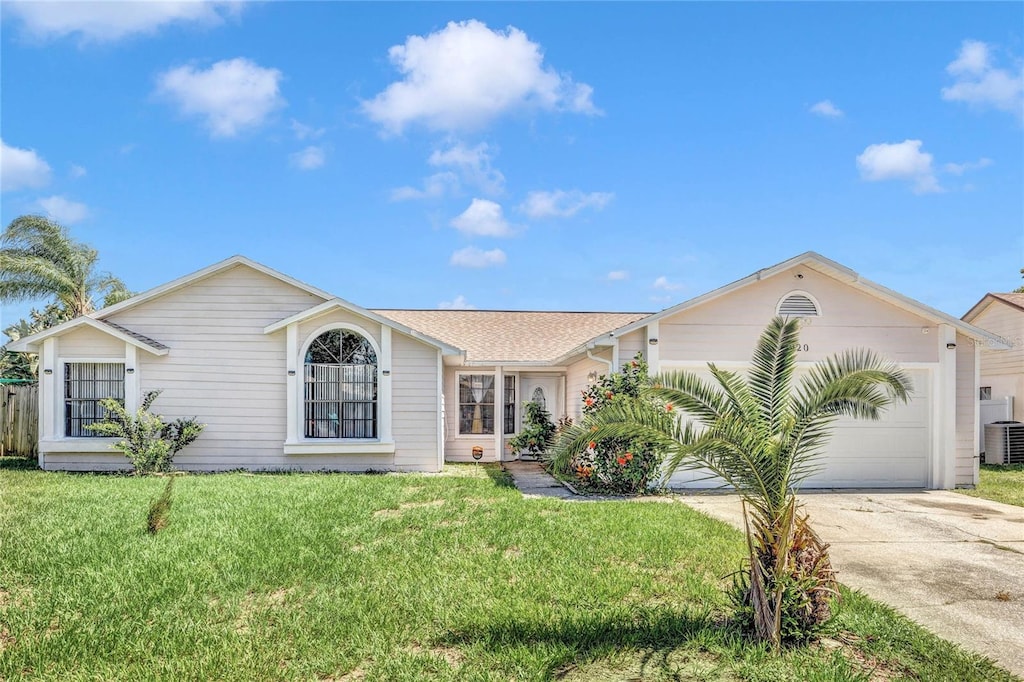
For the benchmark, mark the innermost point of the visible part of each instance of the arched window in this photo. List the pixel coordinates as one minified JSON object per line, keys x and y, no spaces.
{"x":798,"y":304}
{"x":340,"y":386}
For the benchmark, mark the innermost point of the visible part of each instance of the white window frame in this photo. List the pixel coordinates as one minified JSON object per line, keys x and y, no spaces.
{"x":296,"y":442}
{"x":498,"y":400}
{"x":59,"y":408}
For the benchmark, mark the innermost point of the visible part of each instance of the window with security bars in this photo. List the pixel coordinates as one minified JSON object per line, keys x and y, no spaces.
{"x":510,"y":404}
{"x":340,"y":386}
{"x":85,"y":385}
{"x":476,"y":404}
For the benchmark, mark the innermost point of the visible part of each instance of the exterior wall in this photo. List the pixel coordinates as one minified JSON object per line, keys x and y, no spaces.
{"x":224,"y":370}
{"x":1003,"y":370}
{"x":86,"y":342}
{"x":727,"y":329}
{"x":576,"y":381}
{"x":415,"y":403}
{"x":630,"y":345}
{"x":967,"y":458}
{"x":459,"y":447}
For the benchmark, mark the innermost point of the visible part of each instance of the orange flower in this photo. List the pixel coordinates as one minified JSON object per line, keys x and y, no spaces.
{"x":592,"y":445}
{"x":608,"y":394}
{"x":589,"y":402}
{"x":635,"y":363}
{"x":669,"y":407}
{"x":622,"y":461}
{"x":629,"y":456}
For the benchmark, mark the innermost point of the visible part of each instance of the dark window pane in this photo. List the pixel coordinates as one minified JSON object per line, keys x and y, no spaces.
{"x":340,"y":391}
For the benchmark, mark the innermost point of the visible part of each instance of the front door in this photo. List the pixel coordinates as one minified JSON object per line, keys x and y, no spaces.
{"x":543,"y":390}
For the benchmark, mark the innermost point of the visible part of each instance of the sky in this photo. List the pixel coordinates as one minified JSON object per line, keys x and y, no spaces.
{"x":543,"y":156}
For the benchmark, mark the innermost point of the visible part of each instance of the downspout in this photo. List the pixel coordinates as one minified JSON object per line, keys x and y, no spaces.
{"x":597,"y":359}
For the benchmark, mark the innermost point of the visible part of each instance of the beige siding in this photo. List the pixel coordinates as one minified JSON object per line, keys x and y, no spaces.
{"x":576,"y":381}
{"x":224,"y":370}
{"x":966,"y":413}
{"x":631,"y":344}
{"x":727,"y":328}
{"x":86,"y":342}
{"x":415,"y":403}
{"x":1003,"y":370}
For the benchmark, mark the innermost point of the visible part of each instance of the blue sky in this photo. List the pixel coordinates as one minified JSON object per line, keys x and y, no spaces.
{"x":524,"y":156}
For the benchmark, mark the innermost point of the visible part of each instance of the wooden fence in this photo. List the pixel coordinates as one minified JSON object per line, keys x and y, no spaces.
{"x":19,"y":420}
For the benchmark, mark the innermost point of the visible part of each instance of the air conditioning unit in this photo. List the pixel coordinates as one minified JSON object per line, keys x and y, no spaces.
{"x":1004,"y":443}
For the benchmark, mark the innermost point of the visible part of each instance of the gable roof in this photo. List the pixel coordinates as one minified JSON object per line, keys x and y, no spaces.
{"x":840,"y":272}
{"x":208,"y":271}
{"x":31,"y":343}
{"x":338,"y":303}
{"x":512,"y":336}
{"x":1014,"y":300}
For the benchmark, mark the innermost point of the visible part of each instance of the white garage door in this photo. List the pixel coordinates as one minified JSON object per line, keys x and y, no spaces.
{"x":889,"y":453}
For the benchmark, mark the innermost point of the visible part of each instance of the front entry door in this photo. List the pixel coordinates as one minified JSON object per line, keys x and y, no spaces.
{"x":544,"y":390}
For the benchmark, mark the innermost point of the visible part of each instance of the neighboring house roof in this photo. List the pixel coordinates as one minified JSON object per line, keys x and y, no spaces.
{"x":1014,"y":300}
{"x":32,"y":343}
{"x":837,"y":271}
{"x":208,"y":271}
{"x":510,"y":336}
{"x":338,"y":303}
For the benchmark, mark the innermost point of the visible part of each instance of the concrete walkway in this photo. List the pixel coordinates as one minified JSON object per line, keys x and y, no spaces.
{"x":531,"y":480}
{"x":953,"y":563}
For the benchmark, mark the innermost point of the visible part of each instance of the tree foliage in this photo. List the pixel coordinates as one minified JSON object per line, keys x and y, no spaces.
{"x":40,"y":260}
{"x":147,"y":440}
{"x":762,"y":434}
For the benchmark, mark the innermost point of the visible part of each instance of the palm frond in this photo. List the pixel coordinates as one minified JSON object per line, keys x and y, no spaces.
{"x":772,"y":369}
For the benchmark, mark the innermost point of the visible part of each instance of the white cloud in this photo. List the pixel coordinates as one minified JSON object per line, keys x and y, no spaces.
{"x":563,"y":204}
{"x":77,"y":171}
{"x":465,"y":75}
{"x":21,"y":168}
{"x":617,"y":275}
{"x":826,"y":108}
{"x":483,"y":217}
{"x":310,"y":158}
{"x":109,"y":21}
{"x":967,"y":166}
{"x":899,"y":161}
{"x":458,"y":303}
{"x":64,"y":210}
{"x":663,"y":284}
{"x":305,"y":132}
{"x":472,"y":257}
{"x":230,"y":96}
{"x":473,"y":165}
{"x":978,"y":83}
{"x":434,"y":186}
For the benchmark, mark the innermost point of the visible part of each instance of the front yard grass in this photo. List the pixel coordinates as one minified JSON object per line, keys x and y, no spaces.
{"x":398,"y":577}
{"x":1000,"y":484}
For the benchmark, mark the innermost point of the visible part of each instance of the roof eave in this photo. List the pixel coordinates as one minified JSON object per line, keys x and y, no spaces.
{"x":30,"y":344}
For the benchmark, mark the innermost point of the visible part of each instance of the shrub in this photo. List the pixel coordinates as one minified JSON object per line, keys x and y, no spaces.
{"x":160,"y":509}
{"x":147,"y":440}
{"x":538,"y":432}
{"x":618,"y":465}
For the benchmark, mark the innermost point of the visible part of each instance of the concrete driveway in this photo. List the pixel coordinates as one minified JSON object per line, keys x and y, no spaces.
{"x":953,"y":563}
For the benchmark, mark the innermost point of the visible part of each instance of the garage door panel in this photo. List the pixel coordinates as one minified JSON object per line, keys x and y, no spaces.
{"x":892,"y":452}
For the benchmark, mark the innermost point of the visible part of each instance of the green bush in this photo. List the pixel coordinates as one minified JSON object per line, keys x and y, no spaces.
{"x":538,"y":432}
{"x":147,"y":440}
{"x":625,"y":466}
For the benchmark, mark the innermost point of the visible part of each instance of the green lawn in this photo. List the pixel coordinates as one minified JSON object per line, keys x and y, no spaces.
{"x":398,"y":577}
{"x":1001,"y":483}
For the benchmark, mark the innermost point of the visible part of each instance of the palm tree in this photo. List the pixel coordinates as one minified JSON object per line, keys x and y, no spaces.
{"x":39,"y":259}
{"x":762,"y":435}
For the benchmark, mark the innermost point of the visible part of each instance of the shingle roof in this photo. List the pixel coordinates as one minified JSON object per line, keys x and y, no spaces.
{"x":511,"y":336}
{"x":135,"y":335}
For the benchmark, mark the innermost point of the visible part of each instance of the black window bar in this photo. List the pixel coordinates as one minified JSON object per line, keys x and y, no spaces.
{"x":340,"y":398}
{"x":85,"y":385}
{"x":510,"y":404}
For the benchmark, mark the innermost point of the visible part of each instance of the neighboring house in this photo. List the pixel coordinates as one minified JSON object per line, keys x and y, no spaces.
{"x":1002,"y":372}
{"x":287,"y":376}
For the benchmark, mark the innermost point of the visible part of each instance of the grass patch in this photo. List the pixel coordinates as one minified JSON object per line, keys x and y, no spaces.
{"x":398,"y":577}
{"x":1000,"y":484}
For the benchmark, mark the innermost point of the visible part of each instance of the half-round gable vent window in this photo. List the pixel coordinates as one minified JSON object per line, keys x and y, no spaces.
{"x":798,"y":305}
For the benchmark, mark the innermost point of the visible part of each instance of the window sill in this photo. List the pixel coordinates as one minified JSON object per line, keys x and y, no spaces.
{"x":78,"y":445}
{"x":340,"y":447}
